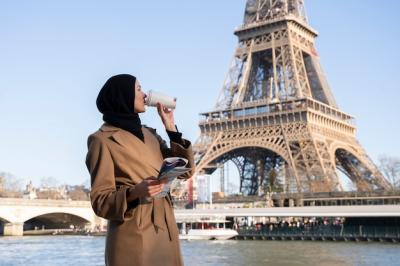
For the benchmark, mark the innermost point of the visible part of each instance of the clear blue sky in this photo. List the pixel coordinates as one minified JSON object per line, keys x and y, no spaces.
{"x":55,"y":56}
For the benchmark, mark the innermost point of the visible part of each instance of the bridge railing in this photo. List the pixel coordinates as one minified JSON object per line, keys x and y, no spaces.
{"x":43,"y":202}
{"x":318,"y":199}
{"x":326,"y":231}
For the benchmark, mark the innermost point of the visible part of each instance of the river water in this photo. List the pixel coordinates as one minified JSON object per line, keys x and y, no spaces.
{"x":89,"y":250}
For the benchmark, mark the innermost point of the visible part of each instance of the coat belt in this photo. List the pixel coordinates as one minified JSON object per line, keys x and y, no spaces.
{"x":163,"y":218}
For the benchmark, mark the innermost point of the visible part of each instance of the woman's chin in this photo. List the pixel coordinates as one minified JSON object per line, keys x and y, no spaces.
{"x":141,"y":110}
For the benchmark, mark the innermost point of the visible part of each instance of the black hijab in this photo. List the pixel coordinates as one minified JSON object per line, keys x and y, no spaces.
{"x":116,"y":102}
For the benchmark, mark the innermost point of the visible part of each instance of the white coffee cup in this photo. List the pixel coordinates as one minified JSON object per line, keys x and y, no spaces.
{"x":152,"y":98}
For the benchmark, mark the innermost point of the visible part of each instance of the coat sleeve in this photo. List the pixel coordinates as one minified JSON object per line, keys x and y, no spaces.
{"x":107,"y":201}
{"x":183,"y":149}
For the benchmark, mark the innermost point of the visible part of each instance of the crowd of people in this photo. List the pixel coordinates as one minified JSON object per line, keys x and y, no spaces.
{"x":294,"y":225}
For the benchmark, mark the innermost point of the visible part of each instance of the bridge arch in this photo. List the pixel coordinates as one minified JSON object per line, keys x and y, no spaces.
{"x":6,"y":216}
{"x":82,"y":213}
{"x":3,"y":221}
{"x":57,"y":220}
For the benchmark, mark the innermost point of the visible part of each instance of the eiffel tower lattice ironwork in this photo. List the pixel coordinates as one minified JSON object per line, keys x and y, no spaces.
{"x":276,"y":118}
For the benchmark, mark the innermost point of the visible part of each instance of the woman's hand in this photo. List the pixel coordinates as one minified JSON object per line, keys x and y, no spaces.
{"x":149,"y":187}
{"x":167,"y":117}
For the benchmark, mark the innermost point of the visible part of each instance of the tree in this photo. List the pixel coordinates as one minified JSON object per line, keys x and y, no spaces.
{"x":10,"y":185}
{"x":274,"y":184}
{"x":78,"y":193}
{"x":86,"y":183}
{"x":390,"y":167}
{"x":2,"y":182}
{"x":49,"y":182}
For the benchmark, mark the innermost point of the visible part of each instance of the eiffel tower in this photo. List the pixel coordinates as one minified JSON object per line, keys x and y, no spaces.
{"x":276,"y":118}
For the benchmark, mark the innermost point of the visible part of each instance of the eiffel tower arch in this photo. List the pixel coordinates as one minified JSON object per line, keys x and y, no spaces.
{"x":276,"y":111}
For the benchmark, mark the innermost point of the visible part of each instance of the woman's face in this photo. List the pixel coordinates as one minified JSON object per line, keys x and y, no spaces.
{"x":139,"y":98}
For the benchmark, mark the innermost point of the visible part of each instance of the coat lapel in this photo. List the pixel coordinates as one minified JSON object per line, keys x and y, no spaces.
{"x":128,"y":141}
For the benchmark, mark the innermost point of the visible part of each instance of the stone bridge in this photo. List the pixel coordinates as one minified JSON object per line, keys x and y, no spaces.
{"x":14,"y":212}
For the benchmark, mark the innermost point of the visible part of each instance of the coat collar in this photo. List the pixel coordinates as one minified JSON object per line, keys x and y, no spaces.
{"x":109,"y":128}
{"x":127,"y":140}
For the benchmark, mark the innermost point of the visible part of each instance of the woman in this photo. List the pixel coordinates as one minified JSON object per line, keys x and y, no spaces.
{"x":124,"y":158}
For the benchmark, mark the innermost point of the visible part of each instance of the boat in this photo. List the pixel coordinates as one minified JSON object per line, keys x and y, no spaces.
{"x":201,"y":229}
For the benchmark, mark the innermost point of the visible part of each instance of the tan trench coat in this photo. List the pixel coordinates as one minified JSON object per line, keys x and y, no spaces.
{"x":143,"y":232}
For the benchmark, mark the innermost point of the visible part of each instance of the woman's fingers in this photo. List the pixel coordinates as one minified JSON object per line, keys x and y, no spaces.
{"x":166,"y":110}
{"x":164,"y":180}
{"x":163,"y":111}
{"x":153,"y":182}
{"x":153,"y":193}
{"x":154,"y":190}
{"x":153,"y":186}
{"x":160,"y":109}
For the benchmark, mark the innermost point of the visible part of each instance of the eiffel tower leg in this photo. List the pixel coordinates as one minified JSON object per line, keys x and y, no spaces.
{"x":316,"y":172}
{"x":246,"y":174}
{"x":353,"y":161}
{"x":314,"y":165}
{"x":328,"y":164}
{"x":291,"y":165}
{"x":254,"y":174}
{"x":240,"y":167}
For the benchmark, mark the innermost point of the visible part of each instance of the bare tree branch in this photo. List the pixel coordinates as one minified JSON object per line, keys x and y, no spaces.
{"x":390,"y":167}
